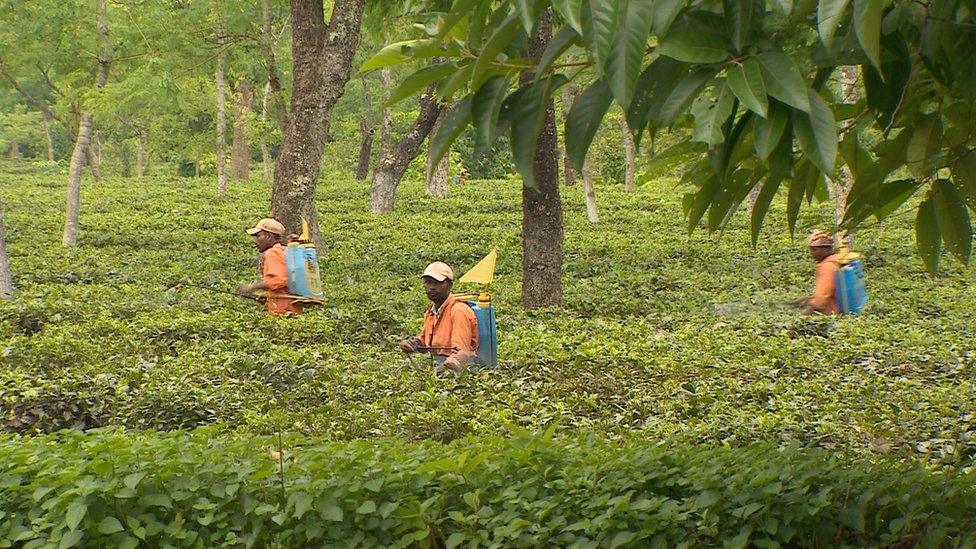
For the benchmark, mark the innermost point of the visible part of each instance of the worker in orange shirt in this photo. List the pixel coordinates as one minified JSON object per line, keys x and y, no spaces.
{"x":267,"y":235}
{"x":824,"y":299}
{"x":450,"y":329}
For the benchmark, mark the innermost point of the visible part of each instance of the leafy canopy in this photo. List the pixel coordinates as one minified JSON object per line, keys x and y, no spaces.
{"x":755,"y":83}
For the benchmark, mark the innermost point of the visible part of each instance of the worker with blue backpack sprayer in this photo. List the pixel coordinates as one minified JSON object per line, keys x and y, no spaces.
{"x":459,"y":330}
{"x":839,"y":286}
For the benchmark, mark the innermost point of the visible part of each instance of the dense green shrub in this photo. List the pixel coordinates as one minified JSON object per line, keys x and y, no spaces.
{"x":661,"y":335}
{"x":122,"y":489}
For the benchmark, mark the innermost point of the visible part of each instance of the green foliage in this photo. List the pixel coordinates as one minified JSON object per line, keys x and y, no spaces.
{"x":112,"y":488}
{"x":661,"y":335}
{"x":741,"y":66}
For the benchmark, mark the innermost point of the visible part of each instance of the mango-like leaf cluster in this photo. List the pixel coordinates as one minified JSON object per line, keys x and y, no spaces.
{"x":755,"y":82}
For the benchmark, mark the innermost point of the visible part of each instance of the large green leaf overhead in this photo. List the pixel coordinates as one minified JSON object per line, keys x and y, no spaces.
{"x":756,"y":83}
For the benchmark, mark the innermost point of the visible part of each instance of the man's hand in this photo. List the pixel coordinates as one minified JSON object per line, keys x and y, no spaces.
{"x":245,"y":289}
{"x":800,"y":302}
{"x":407,"y":346}
{"x":453,"y":365}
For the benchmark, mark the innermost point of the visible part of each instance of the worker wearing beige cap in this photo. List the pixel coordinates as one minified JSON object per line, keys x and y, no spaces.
{"x":450,"y":329}
{"x":823,"y":300}
{"x":267,"y":235}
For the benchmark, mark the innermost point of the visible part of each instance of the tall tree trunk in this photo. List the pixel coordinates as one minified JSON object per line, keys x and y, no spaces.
{"x":322,"y":56}
{"x":542,"y":216}
{"x":435,"y":180}
{"x":50,"y":138}
{"x":91,"y":158}
{"x":386,"y":120}
{"x":589,"y":193}
{"x":570,"y":92}
{"x":15,"y":153}
{"x":274,"y":80}
{"x":840,"y":187}
{"x":629,"y":167}
{"x":390,"y":168}
{"x":70,"y":235}
{"x":240,"y":153}
{"x":141,"y":152}
{"x":6,"y":280}
{"x":365,"y":150}
{"x":221,"y":127}
{"x":265,"y":150}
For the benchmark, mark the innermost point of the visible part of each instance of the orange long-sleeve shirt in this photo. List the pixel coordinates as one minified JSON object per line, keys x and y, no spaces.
{"x":824,"y":297}
{"x":275,"y":278}
{"x":454,"y":333}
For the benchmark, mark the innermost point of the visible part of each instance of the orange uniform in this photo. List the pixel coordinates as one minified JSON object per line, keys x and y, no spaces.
{"x":824,"y":298}
{"x":452,"y":333}
{"x":275,"y":278}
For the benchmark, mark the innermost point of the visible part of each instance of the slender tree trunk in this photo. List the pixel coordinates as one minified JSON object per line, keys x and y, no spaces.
{"x":221,"y":127}
{"x":70,"y":235}
{"x":322,"y":56}
{"x":50,"y":138}
{"x":141,"y":152}
{"x":6,"y":280}
{"x":840,"y":187}
{"x":386,"y":120}
{"x":570,"y":92}
{"x":753,"y":196}
{"x":240,"y":153}
{"x":91,"y":158}
{"x":390,"y":168}
{"x":589,"y":193}
{"x":629,"y":167}
{"x":542,"y":216}
{"x":436,"y":176}
{"x":15,"y":153}
{"x":365,"y":150}
{"x":265,"y":150}
{"x":274,"y":80}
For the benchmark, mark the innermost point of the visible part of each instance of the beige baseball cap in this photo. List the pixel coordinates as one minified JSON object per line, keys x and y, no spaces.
{"x":439,"y":271}
{"x":268,"y":224}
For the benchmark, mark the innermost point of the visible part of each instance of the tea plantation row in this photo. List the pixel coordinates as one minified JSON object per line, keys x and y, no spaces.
{"x":115,"y":489}
{"x":662,"y":336}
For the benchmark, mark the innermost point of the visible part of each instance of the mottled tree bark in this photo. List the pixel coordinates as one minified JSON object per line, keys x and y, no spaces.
{"x":273,"y":87}
{"x":50,"y":138}
{"x":570,"y":92}
{"x":240,"y":152}
{"x":435,"y":177}
{"x":629,"y":167}
{"x":265,"y":150}
{"x":322,"y":56}
{"x":386,"y":118}
{"x":589,"y":193}
{"x":365,"y":149}
{"x":840,"y":186}
{"x":70,"y":235}
{"x":221,"y":127}
{"x":542,"y":216}
{"x":141,"y":152}
{"x":6,"y":280}
{"x":390,"y":168}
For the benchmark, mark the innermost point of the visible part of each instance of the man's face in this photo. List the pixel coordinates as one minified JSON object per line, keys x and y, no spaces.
{"x":437,"y":291}
{"x":819,"y":253}
{"x":264,"y":240}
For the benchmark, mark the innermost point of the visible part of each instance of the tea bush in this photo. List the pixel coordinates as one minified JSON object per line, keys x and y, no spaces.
{"x":203,"y":489}
{"x":662,"y":335}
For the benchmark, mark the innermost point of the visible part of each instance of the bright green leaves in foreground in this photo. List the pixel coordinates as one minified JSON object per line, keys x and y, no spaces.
{"x":222,"y":490}
{"x":759,"y":80}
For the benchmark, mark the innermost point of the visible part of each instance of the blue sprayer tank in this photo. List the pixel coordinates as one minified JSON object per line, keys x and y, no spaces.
{"x":303,"y":267}
{"x":484,"y":312}
{"x":851,"y":291}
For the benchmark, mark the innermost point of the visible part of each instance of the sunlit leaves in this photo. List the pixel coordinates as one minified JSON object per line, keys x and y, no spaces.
{"x":584,"y":119}
{"x":816,"y":132}
{"x":783,"y":79}
{"x":829,"y":14}
{"x":746,"y":81}
{"x":693,"y":46}
{"x":627,"y":50}
{"x":867,"y":26}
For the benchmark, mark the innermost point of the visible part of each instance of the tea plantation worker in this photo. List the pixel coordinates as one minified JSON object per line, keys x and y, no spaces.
{"x":450,"y":329}
{"x":823,"y":300}
{"x":267,"y":235}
